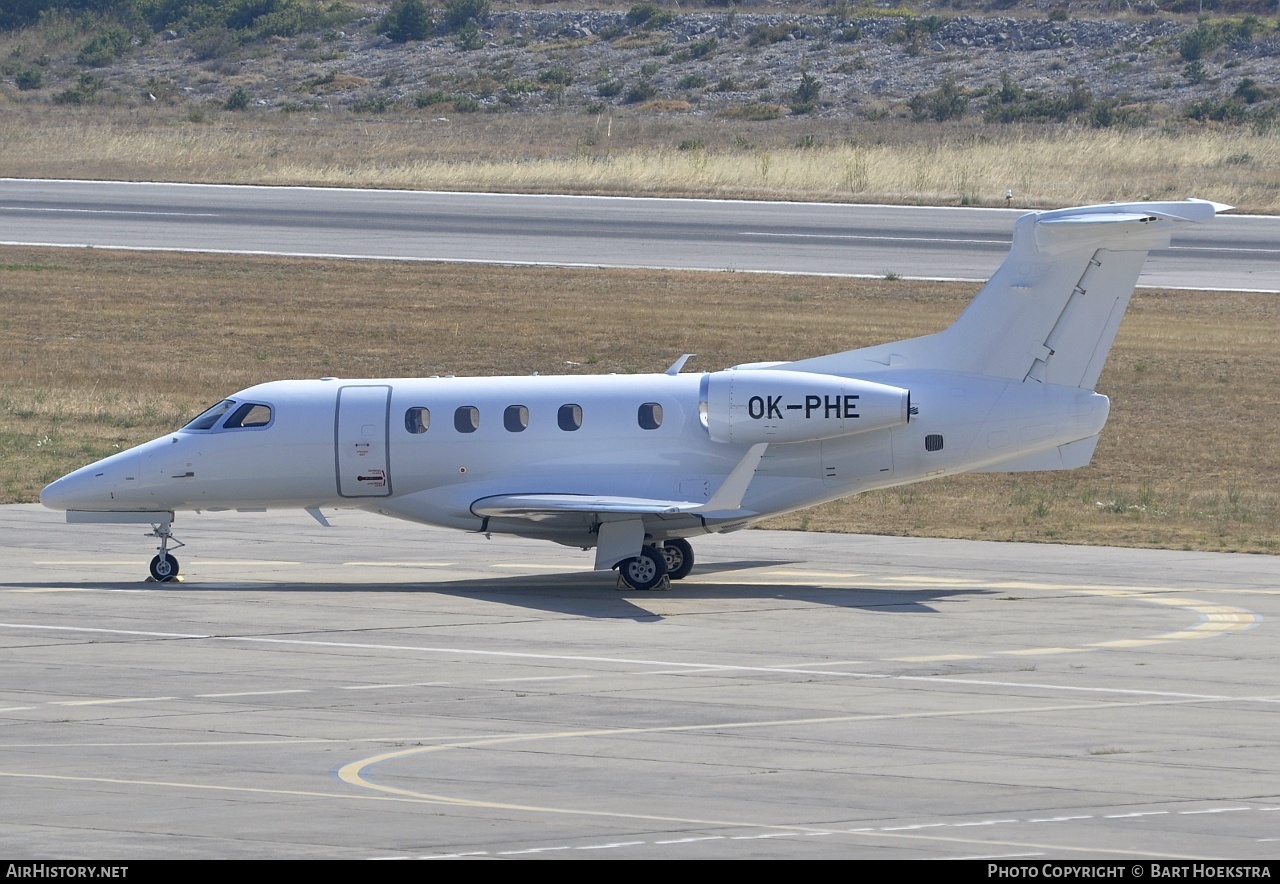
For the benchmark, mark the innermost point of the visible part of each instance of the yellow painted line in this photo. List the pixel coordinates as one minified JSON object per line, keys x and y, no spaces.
{"x":1128,"y":643}
{"x":354,"y":773}
{"x":235,"y":563}
{"x":937,"y":658}
{"x":70,"y":589}
{"x":525,"y":566}
{"x":397,"y":564}
{"x":1037,"y":651}
{"x":84,"y":562}
{"x":784,"y":572}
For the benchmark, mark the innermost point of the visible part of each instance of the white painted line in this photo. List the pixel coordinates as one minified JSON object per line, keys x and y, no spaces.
{"x":924,"y":239}
{"x":1059,"y":819}
{"x":252,"y":694}
{"x":692,"y":840}
{"x":537,"y":678}
{"x":108,"y":212}
{"x":983,"y":823}
{"x":109,"y":702}
{"x":102,"y":631}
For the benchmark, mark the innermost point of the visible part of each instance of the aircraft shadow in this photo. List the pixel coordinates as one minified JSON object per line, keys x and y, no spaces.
{"x":590,"y":594}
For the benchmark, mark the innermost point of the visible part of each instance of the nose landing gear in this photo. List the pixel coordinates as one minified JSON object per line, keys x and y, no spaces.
{"x":164,"y":567}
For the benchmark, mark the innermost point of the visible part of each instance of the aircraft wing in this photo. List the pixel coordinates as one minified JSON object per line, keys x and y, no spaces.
{"x":725,"y":503}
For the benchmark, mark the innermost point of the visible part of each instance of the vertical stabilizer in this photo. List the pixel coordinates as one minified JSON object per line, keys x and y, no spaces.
{"x":1050,"y":313}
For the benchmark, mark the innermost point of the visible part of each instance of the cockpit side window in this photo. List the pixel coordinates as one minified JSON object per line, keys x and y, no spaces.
{"x":207,"y":418}
{"x":250,"y":414}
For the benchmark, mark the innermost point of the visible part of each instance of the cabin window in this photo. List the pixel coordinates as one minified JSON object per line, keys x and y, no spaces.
{"x":570,"y":417}
{"x":933,"y":442}
{"x":515,"y":418}
{"x":466,"y":419}
{"x":417,"y":419}
{"x":207,"y":418}
{"x":250,"y":414}
{"x":650,"y":416}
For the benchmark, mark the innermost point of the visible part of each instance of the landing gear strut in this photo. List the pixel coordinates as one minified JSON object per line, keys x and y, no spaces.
{"x":164,"y":567}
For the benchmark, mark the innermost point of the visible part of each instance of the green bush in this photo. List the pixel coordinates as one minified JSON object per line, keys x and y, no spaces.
{"x":555,"y":77}
{"x":1250,"y":92}
{"x":947,"y":102}
{"x":649,"y":16}
{"x":458,"y":12}
{"x":31,"y":78}
{"x":763,"y":35}
{"x":375,"y":105}
{"x":1016,"y":105}
{"x":406,"y":20}
{"x":105,"y":47}
{"x":641,"y":91}
{"x":237,"y":100}
{"x":469,"y":38}
{"x":427,"y":99}
{"x":84,"y":92}
{"x":703,"y":48}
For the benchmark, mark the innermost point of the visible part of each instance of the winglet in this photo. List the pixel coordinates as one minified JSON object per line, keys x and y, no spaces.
{"x":731,"y":491}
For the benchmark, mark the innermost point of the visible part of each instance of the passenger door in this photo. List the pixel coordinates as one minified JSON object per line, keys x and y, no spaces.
{"x":362,"y":430}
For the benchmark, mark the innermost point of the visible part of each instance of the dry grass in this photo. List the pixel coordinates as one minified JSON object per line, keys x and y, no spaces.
{"x":103,"y":350}
{"x":637,"y":152}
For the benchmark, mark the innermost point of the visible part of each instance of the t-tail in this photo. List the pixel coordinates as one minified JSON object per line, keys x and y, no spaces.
{"x":1050,"y":313}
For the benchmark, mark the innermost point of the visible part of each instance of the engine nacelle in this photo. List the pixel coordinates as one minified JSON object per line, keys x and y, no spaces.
{"x":770,"y":405}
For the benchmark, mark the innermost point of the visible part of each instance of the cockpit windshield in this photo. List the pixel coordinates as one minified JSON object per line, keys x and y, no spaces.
{"x":209,"y":417}
{"x":246,"y":415}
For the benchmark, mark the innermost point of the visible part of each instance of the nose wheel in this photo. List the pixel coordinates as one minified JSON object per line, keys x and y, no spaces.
{"x":164,"y":567}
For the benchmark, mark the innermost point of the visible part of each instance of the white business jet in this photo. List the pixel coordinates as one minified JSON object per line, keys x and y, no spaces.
{"x":634,"y":465}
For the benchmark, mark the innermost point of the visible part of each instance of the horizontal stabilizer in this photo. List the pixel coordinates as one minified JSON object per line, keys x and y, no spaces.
{"x":1070,"y":456}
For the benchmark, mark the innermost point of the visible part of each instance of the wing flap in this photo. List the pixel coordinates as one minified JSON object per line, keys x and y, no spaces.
{"x":535,"y":506}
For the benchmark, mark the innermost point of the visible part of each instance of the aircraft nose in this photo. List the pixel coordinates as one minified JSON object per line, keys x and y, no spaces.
{"x":91,"y":487}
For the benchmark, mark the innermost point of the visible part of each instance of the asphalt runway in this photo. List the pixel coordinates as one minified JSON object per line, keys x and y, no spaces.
{"x":378,"y":689}
{"x":1235,"y":251}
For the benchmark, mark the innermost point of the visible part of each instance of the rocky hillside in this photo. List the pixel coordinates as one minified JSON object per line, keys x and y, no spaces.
{"x":854,"y":63}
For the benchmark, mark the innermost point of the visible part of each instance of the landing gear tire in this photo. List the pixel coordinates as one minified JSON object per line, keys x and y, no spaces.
{"x":164,"y":568}
{"x":644,"y":572}
{"x":679,"y":556}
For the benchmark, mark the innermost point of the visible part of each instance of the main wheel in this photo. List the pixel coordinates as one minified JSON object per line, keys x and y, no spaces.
{"x":164,"y":568}
{"x":645,"y":571}
{"x":679,"y":556}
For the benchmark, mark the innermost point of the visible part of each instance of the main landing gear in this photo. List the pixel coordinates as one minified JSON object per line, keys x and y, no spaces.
{"x":164,"y":567}
{"x":656,"y":566}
